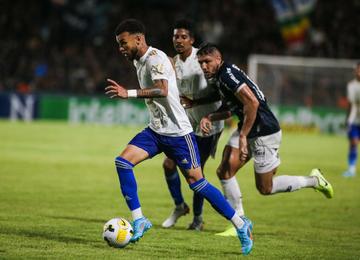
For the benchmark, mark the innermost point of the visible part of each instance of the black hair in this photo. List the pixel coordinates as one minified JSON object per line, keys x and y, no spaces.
{"x":131,"y":26}
{"x":185,"y":24}
{"x":207,"y":48}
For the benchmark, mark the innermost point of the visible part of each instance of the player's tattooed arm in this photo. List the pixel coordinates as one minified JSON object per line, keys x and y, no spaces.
{"x":115,"y":90}
{"x":159,"y":89}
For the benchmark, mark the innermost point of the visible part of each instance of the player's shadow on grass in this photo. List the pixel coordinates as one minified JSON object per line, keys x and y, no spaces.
{"x":206,"y":229}
{"x":88,"y":220}
{"x":47,"y":236}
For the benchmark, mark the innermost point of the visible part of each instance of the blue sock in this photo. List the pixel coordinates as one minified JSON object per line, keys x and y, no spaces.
{"x":198,"y":199}
{"x":174,"y":185}
{"x":127,"y":182}
{"x":214,"y":196}
{"x":352,"y":157}
{"x":198,"y":202}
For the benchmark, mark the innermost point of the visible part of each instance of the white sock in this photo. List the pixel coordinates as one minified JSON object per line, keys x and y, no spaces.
{"x":137,"y":213}
{"x":237,"y":221}
{"x":286,"y":183}
{"x":352,"y":168}
{"x":232,"y":193}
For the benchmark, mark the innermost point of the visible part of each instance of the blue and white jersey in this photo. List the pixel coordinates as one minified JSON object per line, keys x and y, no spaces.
{"x":230,"y":80}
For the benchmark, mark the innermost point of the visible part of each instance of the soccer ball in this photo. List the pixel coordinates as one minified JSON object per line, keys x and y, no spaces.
{"x":117,"y":232}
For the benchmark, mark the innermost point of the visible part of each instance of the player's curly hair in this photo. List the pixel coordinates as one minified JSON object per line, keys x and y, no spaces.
{"x":186,"y":24}
{"x":131,"y":26}
{"x":207,"y":48}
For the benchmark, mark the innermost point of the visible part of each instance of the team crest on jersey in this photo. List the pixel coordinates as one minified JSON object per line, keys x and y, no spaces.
{"x":157,"y":69}
{"x":152,"y":53}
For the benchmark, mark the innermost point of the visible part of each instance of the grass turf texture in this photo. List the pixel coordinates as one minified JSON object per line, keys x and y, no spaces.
{"x":58,"y":186}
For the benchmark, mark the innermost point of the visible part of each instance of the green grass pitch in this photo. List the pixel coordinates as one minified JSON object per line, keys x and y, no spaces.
{"x":58,"y":186}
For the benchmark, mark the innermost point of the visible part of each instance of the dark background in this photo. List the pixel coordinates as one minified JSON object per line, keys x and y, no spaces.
{"x":59,"y":46}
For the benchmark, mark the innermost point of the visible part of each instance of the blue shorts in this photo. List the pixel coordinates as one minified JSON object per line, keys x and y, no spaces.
{"x":354,"y":131}
{"x":182,"y":149}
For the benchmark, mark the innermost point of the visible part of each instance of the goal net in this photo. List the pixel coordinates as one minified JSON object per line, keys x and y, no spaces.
{"x":304,"y":91}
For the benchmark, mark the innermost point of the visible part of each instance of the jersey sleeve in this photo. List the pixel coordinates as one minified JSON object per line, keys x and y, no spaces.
{"x":232,"y":79}
{"x":158,"y":66}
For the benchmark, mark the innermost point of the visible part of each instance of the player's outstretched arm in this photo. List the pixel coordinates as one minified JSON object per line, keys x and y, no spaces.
{"x":115,"y":90}
{"x":159,"y":89}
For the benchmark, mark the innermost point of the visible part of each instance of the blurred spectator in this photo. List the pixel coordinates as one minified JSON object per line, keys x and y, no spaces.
{"x":62,"y":46}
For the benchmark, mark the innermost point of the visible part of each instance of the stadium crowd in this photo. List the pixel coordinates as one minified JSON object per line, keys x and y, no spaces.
{"x":60,"y":46}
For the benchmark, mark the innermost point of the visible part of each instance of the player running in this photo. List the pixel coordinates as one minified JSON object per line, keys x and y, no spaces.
{"x":199,"y":99}
{"x":353,"y":121}
{"x":169,"y":131}
{"x":258,"y":134}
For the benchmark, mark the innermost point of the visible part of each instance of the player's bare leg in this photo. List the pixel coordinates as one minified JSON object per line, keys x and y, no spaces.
{"x":131,"y":156}
{"x":226,"y":172}
{"x":174,"y":185}
{"x":267,"y":184}
{"x":134,"y":154}
{"x":229,"y":166}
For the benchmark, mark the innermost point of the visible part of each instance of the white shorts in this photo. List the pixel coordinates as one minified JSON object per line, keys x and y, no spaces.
{"x":264,"y":150}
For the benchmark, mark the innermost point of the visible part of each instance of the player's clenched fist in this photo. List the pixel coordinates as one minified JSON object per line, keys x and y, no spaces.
{"x":205,"y":125}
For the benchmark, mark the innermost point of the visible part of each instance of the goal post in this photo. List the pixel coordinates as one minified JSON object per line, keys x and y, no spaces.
{"x":298,"y":88}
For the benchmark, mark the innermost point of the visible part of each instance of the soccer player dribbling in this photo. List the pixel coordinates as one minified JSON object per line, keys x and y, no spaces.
{"x":169,"y":131}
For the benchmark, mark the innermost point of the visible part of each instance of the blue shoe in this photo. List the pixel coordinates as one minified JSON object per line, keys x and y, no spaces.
{"x":231,"y":231}
{"x":140,"y":226}
{"x":349,"y":174}
{"x":245,"y":219}
{"x":245,"y":236}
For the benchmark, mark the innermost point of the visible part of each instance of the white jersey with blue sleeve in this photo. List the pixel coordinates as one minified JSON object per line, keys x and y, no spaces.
{"x":353,"y":95}
{"x":167,"y":116}
{"x":193,"y":85}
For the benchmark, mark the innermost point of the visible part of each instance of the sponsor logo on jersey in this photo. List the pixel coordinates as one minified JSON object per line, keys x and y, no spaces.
{"x":231,"y":75}
{"x":152,"y":53}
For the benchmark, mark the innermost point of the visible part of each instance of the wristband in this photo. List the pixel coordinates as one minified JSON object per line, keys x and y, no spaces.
{"x":132,"y":93}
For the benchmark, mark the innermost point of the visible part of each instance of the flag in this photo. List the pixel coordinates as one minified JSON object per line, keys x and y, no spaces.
{"x":294,"y":21}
